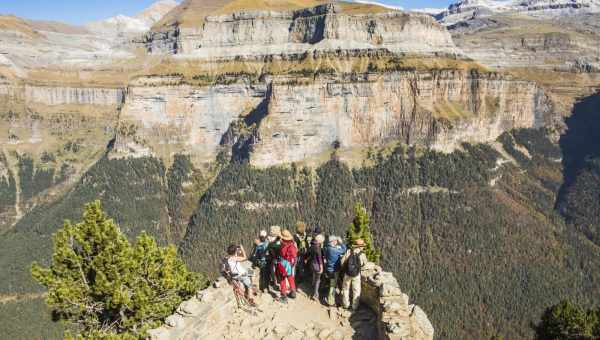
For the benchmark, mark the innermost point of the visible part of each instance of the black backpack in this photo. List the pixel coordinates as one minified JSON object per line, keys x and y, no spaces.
{"x":353,"y":264}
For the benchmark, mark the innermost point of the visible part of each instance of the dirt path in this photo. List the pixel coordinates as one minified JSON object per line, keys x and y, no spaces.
{"x":299,"y":319}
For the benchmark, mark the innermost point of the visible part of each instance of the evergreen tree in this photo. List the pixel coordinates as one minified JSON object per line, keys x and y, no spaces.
{"x":568,"y":321}
{"x":360,"y":229}
{"x":108,"y":288}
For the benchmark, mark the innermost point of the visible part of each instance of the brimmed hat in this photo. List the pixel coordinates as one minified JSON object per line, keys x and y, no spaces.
{"x":360,"y":243}
{"x":275,"y":231}
{"x":286,"y":235}
{"x":300,"y":227}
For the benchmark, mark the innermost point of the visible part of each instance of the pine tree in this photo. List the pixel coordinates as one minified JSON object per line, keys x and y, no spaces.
{"x":108,"y":288}
{"x":359,"y":229}
{"x":567,"y":320}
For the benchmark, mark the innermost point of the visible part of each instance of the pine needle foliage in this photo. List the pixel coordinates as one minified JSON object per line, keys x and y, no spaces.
{"x":569,"y":321}
{"x":108,"y":288}
{"x":360,"y":229}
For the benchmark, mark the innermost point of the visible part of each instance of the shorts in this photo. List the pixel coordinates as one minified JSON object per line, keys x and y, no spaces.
{"x":245,"y":280}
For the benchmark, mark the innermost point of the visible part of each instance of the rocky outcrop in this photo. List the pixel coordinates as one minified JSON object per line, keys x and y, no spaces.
{"x":293,"y":118}
{"x":58,"y":95}
{"x":327,"y":27}
{"x":213,"y":314}
{"x":396,"y":318}
{"x":439,"y":109}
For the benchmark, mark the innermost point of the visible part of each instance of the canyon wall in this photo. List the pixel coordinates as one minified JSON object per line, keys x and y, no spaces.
{"x":327,"y":27}
{"x":291,"y":119}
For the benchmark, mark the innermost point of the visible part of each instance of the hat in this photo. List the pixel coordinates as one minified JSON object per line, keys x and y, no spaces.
{"x":286,"y":235}
{"x":263,"y":233}
{"x":275,"y":231}
{"x":320,"y":238}
{"x":300,"y":227}
{"x":333,"y":238}
{"x":360,"y":243}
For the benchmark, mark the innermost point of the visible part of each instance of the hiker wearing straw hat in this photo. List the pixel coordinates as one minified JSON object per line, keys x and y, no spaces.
{"x":273,"y":249}
{"x":285,"y":266}
{"x":352,"y":263}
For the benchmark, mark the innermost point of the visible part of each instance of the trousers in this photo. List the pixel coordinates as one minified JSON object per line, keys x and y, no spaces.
{"x":316,"y":282}
{"x":354,"y":283}
{"x":333,"y":278}
{"x":284,"y":282}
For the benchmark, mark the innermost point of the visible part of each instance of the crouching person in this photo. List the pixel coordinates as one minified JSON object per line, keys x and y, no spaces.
{"x":352,"y":263}
{"x":235,"y":270}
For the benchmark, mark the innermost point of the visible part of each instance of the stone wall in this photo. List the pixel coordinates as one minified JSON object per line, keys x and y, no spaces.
{"x":398,"y":320}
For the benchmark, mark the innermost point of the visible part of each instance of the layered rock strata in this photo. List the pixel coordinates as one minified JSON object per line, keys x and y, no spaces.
{"x":292,"y":119}
{"x":327,"y":27}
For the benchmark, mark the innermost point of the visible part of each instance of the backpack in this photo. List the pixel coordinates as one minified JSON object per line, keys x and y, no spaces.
{"x":352,"y":267}
{"x":259,"y":258}
{"x":224,"y":268}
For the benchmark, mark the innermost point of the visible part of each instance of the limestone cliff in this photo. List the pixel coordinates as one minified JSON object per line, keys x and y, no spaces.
{"x":329,"y":27}
{"x":294,"y":118}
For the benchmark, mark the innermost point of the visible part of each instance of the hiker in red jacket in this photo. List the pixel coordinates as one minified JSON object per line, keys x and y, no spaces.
{"x":285,"y":266}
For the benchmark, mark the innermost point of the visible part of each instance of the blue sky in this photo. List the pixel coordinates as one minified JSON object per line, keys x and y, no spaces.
{"x":82,"y":11}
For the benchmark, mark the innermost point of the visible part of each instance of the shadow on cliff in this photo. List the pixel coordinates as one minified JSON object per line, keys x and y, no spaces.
{"x":580,"y":143}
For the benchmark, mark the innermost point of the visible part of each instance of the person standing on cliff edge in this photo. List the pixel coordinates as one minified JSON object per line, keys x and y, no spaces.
{"x":352,"y":264}
{"x":285,"y":266}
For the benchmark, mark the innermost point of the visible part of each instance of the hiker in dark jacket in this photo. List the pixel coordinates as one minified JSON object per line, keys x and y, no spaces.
{"x":316,"y":263}
{"x":333,"y":255}
{"x":352,"y":264}
{"x":302,"y":239}
{"x":273,"y":253}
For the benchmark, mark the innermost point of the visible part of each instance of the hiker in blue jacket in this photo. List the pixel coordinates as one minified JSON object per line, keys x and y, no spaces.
{"x":333,"y":255}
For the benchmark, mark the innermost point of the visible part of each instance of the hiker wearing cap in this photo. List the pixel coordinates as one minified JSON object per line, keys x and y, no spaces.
{"x":273,"y":249}
{"x":352,"y":262}
{"x":285,"y":266}
{"x":259,"y":260}
{"x":302,"y":239}
{"x":316,"y":263}
{"x":333,"y":255}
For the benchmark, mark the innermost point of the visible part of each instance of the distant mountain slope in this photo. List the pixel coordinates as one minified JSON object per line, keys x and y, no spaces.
{"x":466,"y":9}
{"x":123,"y":24}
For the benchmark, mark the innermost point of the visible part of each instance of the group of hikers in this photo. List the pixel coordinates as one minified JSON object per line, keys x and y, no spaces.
{"x":284,"y":261}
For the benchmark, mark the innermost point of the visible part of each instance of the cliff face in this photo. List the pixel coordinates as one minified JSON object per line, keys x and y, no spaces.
{"x":328,"y":26}
{"x":290,"y":119}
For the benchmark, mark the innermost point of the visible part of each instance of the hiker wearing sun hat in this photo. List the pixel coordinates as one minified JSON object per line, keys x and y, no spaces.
{"x":288,"y":255}
{"x":352,"y":263}
{"x":273,"y":252}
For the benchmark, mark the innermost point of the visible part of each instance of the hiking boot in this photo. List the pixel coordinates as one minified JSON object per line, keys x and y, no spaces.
{"x":283,"y":300}
{"x":292,"y":295}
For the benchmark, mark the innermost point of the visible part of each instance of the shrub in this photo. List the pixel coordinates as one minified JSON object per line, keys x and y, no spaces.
{"x":107,"y":287}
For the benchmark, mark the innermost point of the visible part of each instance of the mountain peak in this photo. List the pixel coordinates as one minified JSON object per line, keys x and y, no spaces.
{"x":465,"y":9}
{"x":141,"y":22}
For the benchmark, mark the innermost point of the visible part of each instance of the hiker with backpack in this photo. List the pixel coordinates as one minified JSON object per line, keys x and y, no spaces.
{"x":316,"y":263}
{"x":352,"y":264}
{"x":288,"y":255}
{"x":232,"y":268}
{"x":333,"y":256}
{"x":259,"y":260}
{"x":302,"y":239}
{"x":273,"y":250}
